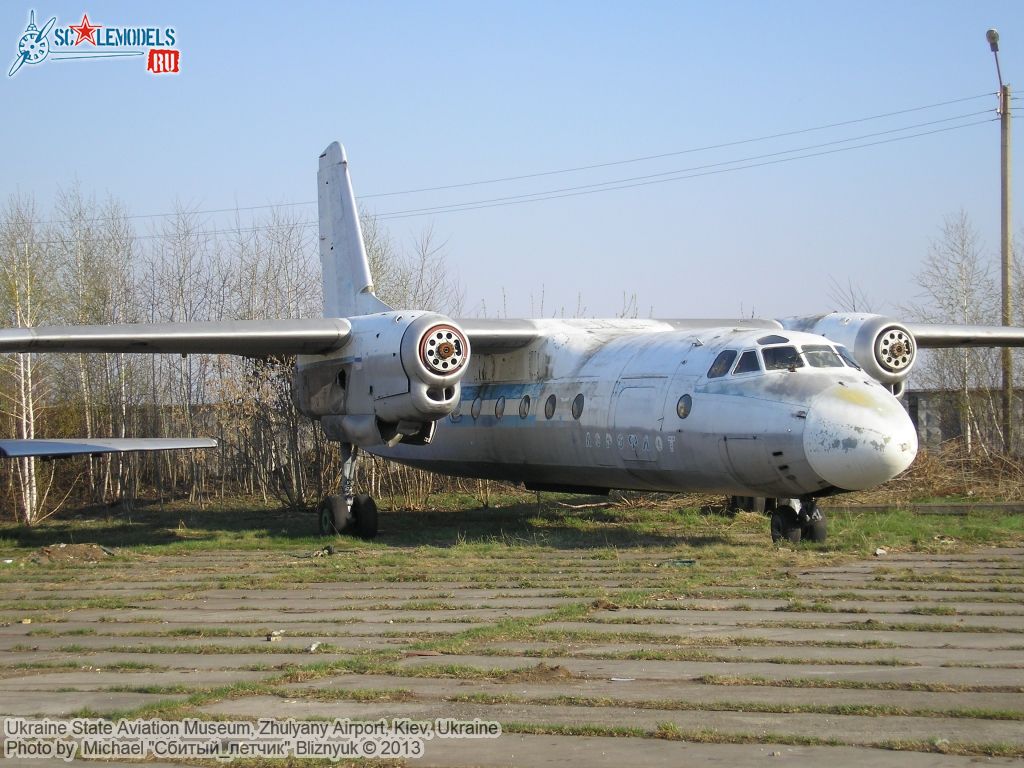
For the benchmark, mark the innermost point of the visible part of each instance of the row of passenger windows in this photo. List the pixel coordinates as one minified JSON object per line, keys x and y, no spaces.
{"x":550,"y":406}
{"x":781,"y":359}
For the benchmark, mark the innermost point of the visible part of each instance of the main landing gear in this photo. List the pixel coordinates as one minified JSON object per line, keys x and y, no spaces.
{"x":793,"y":520}
{"x":349,"y":512}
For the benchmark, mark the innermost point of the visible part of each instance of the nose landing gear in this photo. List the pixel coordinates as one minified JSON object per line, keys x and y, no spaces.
{"x":348,"y":512}
{"x":797,"y":520}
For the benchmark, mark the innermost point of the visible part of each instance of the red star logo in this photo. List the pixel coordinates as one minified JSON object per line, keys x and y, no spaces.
{"x":85,"y":30}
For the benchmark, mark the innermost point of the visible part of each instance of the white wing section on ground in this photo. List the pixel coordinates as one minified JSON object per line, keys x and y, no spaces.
{"x":948,"y":336}
{"x":16,"y":448}
{"x":249,"y":338}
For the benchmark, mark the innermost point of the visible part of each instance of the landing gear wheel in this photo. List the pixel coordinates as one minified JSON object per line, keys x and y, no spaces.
{"x":351,"y":513}
{"x":815,"y":529}
{"x":364,"y":516}
{"x":785,"y":525}
{"x":332,"y":516}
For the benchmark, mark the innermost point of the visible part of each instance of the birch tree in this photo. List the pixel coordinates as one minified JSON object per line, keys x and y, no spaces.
{"x":27,"y":297}
{"x":93,"y":251}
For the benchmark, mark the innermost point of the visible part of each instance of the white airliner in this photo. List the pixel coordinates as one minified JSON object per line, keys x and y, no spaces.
{"x":775,"y":412}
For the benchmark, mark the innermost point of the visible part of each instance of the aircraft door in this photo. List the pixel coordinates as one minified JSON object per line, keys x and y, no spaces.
{"x":638,"y":418}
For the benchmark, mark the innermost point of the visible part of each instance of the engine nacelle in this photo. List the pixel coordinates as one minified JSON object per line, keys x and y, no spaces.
{"x":397,"y":375}
{"x":883,"y":347}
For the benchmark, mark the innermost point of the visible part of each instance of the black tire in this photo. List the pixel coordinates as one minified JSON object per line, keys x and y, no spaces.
{"x":815,"y":531}
{"x":332,"y":516}
{"x":364,"y":516}
{"x":785,"y":526}
{"x":325,"y":518}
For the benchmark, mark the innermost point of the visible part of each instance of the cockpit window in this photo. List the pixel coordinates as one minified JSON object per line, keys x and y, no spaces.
{"x":773,"y":339}
{"x":822,"y":356}
{"x":748,"y":362}
{"x":847,"y":357}
{"x":722,"y":364}
{"x":781,"y":358}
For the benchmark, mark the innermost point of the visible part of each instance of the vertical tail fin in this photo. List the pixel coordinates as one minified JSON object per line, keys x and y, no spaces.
{"x":348,"y":285}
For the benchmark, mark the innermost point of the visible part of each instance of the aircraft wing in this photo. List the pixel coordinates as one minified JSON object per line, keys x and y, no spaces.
{"x":490,"y":336}
{"x":947,"y":336}
{"x":52,"y":448}
{"x":249,"y":338}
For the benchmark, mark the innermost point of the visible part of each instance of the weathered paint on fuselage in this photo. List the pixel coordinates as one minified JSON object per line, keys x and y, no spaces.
{"x":744,"y":434}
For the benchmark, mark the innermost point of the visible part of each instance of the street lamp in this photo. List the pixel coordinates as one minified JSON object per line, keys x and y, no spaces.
{"x":1004,"y":240}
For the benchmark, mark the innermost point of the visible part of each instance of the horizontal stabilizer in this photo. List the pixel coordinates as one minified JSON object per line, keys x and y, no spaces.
{"x":249,"y":338}
{"x":949,"y":336}
{"x":52,"y":448}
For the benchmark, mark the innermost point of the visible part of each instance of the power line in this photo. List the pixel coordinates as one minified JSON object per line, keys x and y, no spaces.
{"x":575,"y":192}
{"x":541,"y":174}
{"x":679,"y":152}
{"x":628,"y":183}
{"x":615,"y":182}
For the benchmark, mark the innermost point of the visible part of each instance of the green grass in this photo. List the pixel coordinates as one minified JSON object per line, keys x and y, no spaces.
{"x":672,"y":732}
{"x":856,"y":684}
{"x":459,"y":530}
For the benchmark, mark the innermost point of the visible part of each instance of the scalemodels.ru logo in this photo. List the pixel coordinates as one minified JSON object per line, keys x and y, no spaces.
{"x":89,"y":40}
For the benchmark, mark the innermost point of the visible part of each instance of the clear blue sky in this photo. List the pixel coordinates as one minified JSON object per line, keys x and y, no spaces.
{"x":428,"y":94}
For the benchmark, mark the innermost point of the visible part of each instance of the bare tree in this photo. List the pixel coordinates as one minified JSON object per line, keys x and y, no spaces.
{"x":850,"y":297}
{"x":90,"y":268}
{"x":178,"y":288}
{"x":27,"y":296}
{"x":413,"y":278}
{"x":93,"y":250}
{"x":957,"y":287}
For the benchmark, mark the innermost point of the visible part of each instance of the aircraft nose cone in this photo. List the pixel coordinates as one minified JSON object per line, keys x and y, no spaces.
{"x":858,"y":436}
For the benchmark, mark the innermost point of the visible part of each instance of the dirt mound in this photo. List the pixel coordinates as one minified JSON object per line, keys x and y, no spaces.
{"x":71,"y":553}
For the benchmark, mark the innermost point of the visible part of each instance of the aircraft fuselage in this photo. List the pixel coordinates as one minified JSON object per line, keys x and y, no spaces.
{"x":651,"y":406}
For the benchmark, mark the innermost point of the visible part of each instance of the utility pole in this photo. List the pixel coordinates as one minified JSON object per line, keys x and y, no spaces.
{"x":1005,"y":243}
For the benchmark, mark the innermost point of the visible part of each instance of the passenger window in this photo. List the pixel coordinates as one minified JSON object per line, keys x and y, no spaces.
{"x":577,"y":406}
{"x":748,"y":362}
{"x":524,"y":407}
{"x":822,"y":356}
{"x":847,"y":357}
{"x":722,"y":364}
{"x":781,"y":358}
{"x":549,"y":407}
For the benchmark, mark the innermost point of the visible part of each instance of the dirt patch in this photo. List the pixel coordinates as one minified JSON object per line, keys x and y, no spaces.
{"x":538,"y":674}
{"x":71,"y":553}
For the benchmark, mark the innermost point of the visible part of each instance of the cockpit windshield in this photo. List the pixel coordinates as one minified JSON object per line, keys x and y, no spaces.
{"x":822,"y":356}
{"x":847,"y":357}
{"x":748,"y":363}
{"x":781,"y":358}
{"x":722,"y":364}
